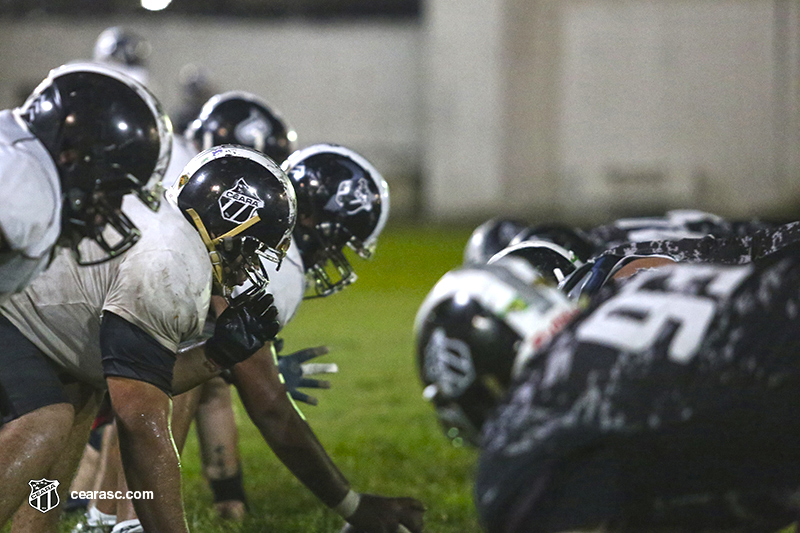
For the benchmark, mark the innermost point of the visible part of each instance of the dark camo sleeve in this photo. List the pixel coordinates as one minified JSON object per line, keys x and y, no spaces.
{"x":735,"y":250}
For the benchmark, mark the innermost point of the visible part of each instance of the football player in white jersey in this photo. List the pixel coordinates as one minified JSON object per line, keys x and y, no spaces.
{"x":241,"y":118}
{"x":85,"y":137}
{"x":77,"y":330}
{"x":331,"y":220}
{"x":288,"y":286}
{"x":343,"y":201}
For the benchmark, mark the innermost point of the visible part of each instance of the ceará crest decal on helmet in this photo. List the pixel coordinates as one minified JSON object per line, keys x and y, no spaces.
{"x":239,"y":203}
{"x":449,"y":364}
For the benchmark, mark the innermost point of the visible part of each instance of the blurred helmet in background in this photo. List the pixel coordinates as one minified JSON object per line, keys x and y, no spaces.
{"x":238,"y":117}
{"x":568,"y":238}
{"x":553,"y":262}
{"x":474,"y":331}
{"x":124,"y":49}
{"x":244,"y":208}
{"x":108,"y":137}
{"x":489,"y":238}
{"x":342,"y":201}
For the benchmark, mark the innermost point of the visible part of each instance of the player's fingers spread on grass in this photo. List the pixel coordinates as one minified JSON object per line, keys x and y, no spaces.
{"x":310,"y":353}
{"x":314,"y":383}
{"x":303,"y":397}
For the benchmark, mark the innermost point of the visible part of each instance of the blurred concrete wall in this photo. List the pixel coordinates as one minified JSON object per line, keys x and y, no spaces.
{"x":584,"y":110}
{"x":571,"y":110}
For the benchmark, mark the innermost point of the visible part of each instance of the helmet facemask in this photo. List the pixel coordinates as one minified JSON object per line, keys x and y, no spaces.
{"x":322,"y":248}
{"x":235,"y":259}
{"x":101,"y":221}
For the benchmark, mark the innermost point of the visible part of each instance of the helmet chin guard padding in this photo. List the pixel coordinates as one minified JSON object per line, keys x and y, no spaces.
{"x":238,"y":117}
{"x":243,"y":206}
{"x":342,"y":201}
{"x":108,"y":137}
{"x":474,"y":331}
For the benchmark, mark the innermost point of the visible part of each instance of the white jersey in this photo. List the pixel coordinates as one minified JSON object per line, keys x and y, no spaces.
{"x":30,"y":207}
{"x":288,"y":284}
{"x":182,"y":153}
{"x":162,"y":285}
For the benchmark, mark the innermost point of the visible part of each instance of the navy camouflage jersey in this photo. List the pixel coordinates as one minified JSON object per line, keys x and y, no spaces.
{"x":674,"y":226}
{"x":733,"y":250}
{"x":685,"y":380}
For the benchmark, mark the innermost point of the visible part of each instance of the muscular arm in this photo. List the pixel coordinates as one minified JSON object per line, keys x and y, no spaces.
{"x":139,"y":372}
{"x":142,"y":412}
{"x":281,"y":425}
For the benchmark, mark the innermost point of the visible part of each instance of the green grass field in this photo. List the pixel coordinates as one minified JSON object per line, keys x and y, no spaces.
{"x":373,"y":421}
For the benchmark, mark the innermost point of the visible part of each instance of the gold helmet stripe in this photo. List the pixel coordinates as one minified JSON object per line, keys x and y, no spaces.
{"x":216,"y":260}
{"x":237,"y":230}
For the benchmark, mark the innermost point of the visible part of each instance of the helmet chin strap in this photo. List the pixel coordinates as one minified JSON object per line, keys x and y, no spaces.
{"x":211,"y":244}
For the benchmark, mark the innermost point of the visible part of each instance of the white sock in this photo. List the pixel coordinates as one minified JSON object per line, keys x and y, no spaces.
{"x":128,"y":526}
{"x":99,"y":518}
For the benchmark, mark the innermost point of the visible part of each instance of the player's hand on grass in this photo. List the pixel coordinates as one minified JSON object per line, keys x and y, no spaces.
{"x":378,"y":514}
{"x":295,"y":372}
{"x":243,"y":327}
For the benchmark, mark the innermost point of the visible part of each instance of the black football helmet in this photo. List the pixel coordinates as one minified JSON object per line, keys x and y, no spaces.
{"x":123,"y":46}
{"x":474,"y":331}
{"x":108,"y":137}
{"x":568,"y":238}
{"x":243,"y":206}
{"x":489,"y":238}
{"x":238,"y":117}
{"x":124,"y":49}
{"x":553,"y":262}
{"x":342,"y":200}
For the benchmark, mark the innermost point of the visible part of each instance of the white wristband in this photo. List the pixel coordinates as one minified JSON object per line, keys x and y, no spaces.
{"x":347,"y":507}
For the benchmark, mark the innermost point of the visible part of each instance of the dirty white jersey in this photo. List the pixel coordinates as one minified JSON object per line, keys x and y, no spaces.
{"x":30,"y":206}
{"x":288,"y":284}
{"x":162,"y":285}
{"x":182,"y":153}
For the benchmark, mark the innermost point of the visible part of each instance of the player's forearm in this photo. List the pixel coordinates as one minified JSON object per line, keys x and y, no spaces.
{"x":148,"y":454}
{"x":289,"y":436}
{"x":151,"y":464}
{"x":192,"y":368}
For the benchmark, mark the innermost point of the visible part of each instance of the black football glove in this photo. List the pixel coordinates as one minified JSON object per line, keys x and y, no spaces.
{"x":243,"y":328}
{"x":294,"y":371}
